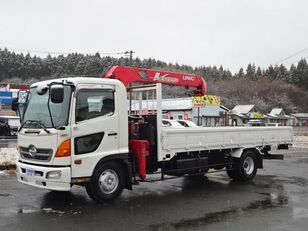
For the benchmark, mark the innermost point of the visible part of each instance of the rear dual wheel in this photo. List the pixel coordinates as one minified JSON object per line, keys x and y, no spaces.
{"x":244,"y":168}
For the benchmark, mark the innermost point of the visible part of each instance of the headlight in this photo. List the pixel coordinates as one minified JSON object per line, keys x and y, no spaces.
{"x":54,"y":175}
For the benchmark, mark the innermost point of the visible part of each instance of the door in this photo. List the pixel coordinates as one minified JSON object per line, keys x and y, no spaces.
{"x":95,"y":128}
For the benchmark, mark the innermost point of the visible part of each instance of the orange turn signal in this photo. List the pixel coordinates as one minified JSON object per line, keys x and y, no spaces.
{"x":64,"y":149}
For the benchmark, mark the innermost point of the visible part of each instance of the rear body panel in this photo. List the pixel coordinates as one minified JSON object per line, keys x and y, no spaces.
{"x":218,"y":138}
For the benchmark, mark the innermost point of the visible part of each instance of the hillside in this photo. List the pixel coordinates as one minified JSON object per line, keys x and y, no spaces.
{"x":265,"y":94}
{"x":274,"y":86}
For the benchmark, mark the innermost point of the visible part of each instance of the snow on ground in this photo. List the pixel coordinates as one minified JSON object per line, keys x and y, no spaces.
{"x":8,"y":156}
{"x":300,"y":142}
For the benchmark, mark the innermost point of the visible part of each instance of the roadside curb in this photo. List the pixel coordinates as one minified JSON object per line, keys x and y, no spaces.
{"x":7,"y":167}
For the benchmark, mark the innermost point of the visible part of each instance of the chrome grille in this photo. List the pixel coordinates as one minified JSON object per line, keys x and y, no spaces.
{"x":41,"y":154}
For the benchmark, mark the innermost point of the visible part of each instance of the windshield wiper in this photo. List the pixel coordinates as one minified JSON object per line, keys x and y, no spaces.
{"x":38,"y":122}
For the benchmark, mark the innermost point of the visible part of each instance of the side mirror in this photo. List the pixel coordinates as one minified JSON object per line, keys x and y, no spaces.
{"x":18,"y":104}
{"x":41,"y":89}
{"x":14,"y":105}
{"x":56,"y":94}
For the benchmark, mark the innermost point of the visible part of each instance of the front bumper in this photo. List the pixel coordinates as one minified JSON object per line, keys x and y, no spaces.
{"x":39,"y":178}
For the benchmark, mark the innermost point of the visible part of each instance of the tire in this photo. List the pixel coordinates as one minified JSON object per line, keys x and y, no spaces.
{"x":107,"y":182}
{"x":245,"y":168}
{"x":219,"y":167}
{"x":233,"y":174}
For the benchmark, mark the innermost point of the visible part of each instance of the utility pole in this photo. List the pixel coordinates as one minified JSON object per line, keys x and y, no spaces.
{"x":130,"y":56}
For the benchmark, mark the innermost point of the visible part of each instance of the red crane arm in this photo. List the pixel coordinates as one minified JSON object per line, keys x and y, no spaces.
{"x":129,"y":75}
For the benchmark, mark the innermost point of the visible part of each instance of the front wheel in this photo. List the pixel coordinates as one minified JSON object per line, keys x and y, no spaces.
{"x":107,"y":182}
{"x":245,"y":168}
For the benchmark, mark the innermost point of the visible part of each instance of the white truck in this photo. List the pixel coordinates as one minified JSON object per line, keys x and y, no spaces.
{"x":96,"y":132}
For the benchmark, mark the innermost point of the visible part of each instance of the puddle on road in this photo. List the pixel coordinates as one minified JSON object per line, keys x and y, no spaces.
{"x":26,"y":211}
{"x":5,"y":195}
{"x":298,"y":181}
{"x":299,"y":213}
{"x":37,"y":210}
{"x":273,"y":201}
{"x":303,"y":161}
{"x":276,"y":199}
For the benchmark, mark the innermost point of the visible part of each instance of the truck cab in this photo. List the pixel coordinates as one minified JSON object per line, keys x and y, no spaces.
{"x":68,"y":126}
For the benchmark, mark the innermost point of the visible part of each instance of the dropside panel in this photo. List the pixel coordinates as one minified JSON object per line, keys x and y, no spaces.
{"x":198,"y":139}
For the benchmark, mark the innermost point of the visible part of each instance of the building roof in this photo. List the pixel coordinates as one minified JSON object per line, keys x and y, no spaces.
{"x":177,"y":104}
{"x":224,"y":109}
{"x":279,"y":117}
{"x":300,"y":115}
{"x":243,"y":109}
{"x":277,"y":111}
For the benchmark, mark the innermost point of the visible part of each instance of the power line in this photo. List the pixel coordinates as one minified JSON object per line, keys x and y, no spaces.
{"x":295,"y":62}
{"x":291,"y":56}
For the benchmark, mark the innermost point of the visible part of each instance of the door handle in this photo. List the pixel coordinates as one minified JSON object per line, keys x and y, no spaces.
{"x":112,"y":134}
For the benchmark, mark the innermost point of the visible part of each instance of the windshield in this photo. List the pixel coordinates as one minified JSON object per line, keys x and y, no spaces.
{"x":37,"y":109}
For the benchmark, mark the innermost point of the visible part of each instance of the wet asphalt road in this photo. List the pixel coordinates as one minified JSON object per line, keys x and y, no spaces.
{"x":276,"y":200}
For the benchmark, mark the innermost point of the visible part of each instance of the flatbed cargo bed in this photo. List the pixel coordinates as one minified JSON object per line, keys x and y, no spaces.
{"x":218,"y":138}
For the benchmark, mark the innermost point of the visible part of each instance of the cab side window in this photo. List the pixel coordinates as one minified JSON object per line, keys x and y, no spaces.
{"x":92,"y":103}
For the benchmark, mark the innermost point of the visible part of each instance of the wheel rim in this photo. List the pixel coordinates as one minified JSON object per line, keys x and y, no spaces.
{"x":249,"y":165}
{"x":108,"y":181}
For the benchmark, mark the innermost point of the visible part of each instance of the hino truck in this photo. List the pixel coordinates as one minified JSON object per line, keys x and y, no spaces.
{"x":107,"y":135}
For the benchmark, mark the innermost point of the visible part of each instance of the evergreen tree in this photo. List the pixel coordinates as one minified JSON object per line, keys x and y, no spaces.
{"x":241,"y":73}
{"x":259,"y":73}
{"x":251,"y":71}
{"x":26,"y":67}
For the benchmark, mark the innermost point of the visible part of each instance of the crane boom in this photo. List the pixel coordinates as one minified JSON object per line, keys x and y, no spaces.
{"x":129,"y":75}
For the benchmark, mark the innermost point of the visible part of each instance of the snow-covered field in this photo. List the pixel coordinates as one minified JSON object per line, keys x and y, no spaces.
{"x":300,"y":142}
{"x":8,"y":156}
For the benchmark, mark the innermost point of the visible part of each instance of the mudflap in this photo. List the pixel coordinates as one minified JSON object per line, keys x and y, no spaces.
{"x":273,"y":156}
{"x":129,"y":176}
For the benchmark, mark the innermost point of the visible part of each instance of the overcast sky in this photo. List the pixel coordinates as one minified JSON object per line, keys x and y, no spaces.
{"x":195,"y":32}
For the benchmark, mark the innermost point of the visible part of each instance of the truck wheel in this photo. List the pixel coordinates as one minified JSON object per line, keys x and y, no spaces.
{"x":245,"y":168}
{"x":232,"y":170}
{"x":107,"y":182}
{"x":233,"y":173}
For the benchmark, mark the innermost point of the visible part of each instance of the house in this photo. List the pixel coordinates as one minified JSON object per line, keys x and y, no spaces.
{"x":207,"y":116}
{"x":241,"y":114}
{"x":182,"y":108}
{"x":277,"y":115}
{"x":224,"y":119}
{"x":301,"y":119}
{"x":179,"y":108}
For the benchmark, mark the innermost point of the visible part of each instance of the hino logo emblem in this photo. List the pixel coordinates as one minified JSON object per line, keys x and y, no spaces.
{"x":32,"y":151}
